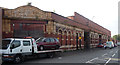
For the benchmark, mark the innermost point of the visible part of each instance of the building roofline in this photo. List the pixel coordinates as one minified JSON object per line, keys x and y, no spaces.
{"x":92,"y":21}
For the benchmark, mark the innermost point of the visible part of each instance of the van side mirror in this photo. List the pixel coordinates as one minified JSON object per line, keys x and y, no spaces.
{"x":12,"y":46}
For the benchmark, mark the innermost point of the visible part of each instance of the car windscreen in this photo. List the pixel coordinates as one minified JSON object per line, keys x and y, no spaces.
{"x":39,"y":40}
{"x":56,"y":40}
{"x":5,"y":44}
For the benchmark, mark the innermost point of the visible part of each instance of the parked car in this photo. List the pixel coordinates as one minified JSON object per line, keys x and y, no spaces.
{"x":115,"y":45}
{"x":118,"y":43}
{"x":100,"y":45}
{"x":109,"y":44}
{"x":47,"y":43}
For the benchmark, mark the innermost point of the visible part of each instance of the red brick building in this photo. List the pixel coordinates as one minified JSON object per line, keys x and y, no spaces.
{"x":74,"y":32}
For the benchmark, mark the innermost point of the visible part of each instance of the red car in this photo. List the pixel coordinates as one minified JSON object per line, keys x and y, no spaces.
{"x":47,"y":43}
{"x":100,"y":45}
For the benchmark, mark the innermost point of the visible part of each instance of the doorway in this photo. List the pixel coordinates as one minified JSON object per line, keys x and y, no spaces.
{"x":100,"y":39}
{"x":86,"y":40}
{"x":77,"y":41}
{"x":80,"y":41}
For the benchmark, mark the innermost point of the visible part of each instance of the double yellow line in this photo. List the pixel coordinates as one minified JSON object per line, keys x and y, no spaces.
{"x":116,"y":59}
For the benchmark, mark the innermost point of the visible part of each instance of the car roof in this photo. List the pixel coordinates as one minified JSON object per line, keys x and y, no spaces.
{"x":47,"y":37}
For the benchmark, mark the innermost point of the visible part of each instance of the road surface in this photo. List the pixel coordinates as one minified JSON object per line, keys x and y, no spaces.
{"x":95,"y":56}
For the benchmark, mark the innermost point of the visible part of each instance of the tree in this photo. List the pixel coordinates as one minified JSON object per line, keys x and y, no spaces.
{"x":116,"y":37}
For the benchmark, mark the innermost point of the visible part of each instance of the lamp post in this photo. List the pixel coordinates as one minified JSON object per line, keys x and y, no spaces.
{"x":93,"y":18}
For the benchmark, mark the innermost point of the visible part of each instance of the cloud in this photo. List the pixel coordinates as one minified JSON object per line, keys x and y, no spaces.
{"x":105,"y":11}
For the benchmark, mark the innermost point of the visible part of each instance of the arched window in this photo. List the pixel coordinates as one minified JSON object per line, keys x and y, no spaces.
{"x":65,"y":32}
{"x":69,"y":37}
{"x":60,"y":39}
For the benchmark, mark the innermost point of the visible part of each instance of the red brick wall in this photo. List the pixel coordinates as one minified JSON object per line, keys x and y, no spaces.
{"x":37,"y":25}
{"x":80,"y":18}
{"x":28,"y":27}
{"x":65,"y":20}
{"x":92,"y":25}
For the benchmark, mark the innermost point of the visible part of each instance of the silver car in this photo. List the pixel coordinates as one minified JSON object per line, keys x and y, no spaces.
{"x":118,"y":43}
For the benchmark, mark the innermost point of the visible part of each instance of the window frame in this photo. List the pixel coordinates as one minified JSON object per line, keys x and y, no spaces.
{"x":11,"y":46}
{"x":47,"y":39}
{"x":26,"y":41}
{"x":52,"y":39}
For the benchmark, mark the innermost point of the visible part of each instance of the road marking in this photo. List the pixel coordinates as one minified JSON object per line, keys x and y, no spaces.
{"x":111,"y":58}
{"x":113,"y":55}
{"x":104,"y":54}
{"x":102,"y":59}
{"x":116,"y":59}
{"x":59,"y":57}
{"x":116,"y":51}
{"x":107,"y":61}
{"x":110,"y":51}
{"x":91,"y":60}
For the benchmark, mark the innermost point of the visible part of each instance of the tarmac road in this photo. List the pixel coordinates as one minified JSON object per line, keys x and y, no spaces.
{"x":95,"y":56}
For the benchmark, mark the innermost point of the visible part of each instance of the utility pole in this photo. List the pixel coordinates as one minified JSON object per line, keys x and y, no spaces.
{"x":0,"y":32}
{"x":0,"y":28}
{"x":93,"y":18}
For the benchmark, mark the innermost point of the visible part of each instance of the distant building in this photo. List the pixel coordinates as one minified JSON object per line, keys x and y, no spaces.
{"x":73,"y":32}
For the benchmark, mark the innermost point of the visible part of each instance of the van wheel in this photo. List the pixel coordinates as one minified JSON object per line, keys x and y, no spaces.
{"x":17,"y":59}
{"x":41,"y":48}
{"x":105,"y":47}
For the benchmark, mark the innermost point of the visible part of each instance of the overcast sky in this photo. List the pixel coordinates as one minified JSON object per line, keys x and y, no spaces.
{"x":103,"y":12}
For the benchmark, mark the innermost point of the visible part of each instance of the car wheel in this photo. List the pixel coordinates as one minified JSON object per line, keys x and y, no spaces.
{"x":17,"y":59}
{"x":41,"y":48}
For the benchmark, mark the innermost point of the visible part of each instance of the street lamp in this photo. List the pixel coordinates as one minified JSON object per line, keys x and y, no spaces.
{"x":93,"y":18}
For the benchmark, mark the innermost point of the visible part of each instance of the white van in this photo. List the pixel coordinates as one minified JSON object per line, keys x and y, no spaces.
{"x":109,"y":44}
{"x":16,"y":50}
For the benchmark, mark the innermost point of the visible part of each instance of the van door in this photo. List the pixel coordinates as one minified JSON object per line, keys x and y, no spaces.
{"x":16,"y":46}
{"x":86,"y":40}
{"x":27,"y":46}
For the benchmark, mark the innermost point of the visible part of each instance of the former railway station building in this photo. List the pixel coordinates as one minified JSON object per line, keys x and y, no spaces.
{"x":73,"y":32}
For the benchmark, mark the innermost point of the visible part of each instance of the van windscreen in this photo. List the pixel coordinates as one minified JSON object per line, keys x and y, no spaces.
{"x":5,"y":44}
